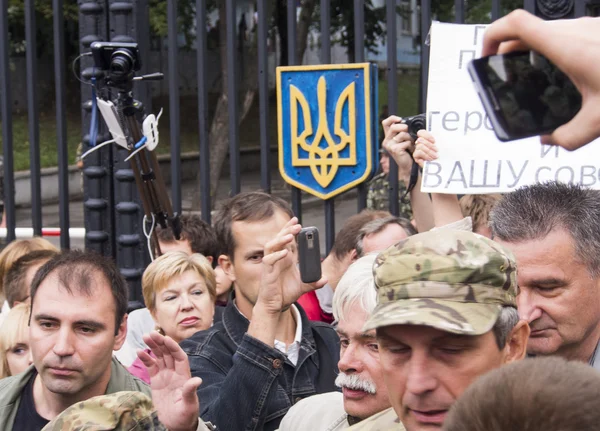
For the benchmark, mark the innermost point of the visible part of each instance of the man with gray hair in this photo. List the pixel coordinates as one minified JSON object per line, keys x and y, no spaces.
{"x":446,"y":314}
{"x":554,"y":231}
{"x":379,"y":234}
{"x":364,"y":392}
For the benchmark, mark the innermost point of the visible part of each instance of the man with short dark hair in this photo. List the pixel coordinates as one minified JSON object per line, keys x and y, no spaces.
{"x":17,"y":281}
{"x":549,"y":394}
{"x":78,"y":317}
{"x":265,"y":354}
{"x":379,"y":234}
{"x":317,"y":304}
{"x":197,"y":236}
{"x":554,"y":231}
{"x":446,"y":314}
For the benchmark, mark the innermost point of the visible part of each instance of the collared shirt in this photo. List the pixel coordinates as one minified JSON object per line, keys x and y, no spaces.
{"x":595,"y":359}
{"x":293,"y":349}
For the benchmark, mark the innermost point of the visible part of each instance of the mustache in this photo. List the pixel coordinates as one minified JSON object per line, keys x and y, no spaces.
{"x":356,"y":383}
{"x":544,"y":322}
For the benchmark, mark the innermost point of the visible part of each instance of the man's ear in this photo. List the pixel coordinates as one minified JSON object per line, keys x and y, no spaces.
{"x":227,"y":265}
{"x":353,"y":255}
{"x":516,"y":343}
{"x":121,"y":334}
{"x":209,"y":258}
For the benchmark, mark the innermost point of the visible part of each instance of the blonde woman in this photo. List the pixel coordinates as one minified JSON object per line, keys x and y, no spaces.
{"x":15,"y":355}
{"x":180,"y":292}
{"x":10,"y":254}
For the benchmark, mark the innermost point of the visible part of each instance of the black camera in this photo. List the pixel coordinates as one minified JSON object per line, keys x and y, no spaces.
{"x":415,"y":123}
{"x":118,"y":60}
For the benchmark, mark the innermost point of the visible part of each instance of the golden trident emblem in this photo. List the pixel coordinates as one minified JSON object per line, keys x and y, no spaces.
{"x":323,"y":162}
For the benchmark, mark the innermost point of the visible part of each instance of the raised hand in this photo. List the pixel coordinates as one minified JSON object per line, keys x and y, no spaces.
{"x":397,"y":141}
{"x":281,"y":285}
{"x":573,"y":45}
{"x":425,"y":149}
{"x":173,"y":387}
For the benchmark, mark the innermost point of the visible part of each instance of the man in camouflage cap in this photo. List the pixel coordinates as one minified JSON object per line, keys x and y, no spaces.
{"x":446,"y":314}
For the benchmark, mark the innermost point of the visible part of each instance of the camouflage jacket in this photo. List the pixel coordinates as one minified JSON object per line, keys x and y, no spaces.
{"x":12,"y":387}
{"x":378,"y":196}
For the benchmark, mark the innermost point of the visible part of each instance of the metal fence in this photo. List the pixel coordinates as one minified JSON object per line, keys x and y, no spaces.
{"x":113,"y":212}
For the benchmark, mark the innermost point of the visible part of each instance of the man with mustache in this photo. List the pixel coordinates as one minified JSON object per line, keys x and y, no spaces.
{"x":363,"y":390}
{"x":446,"y":314}
{"x":554,"y":231}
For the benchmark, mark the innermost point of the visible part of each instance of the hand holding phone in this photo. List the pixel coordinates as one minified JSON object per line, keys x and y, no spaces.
{"x":574,"y":46}
{"x":309,"y":255}
{"x":524,"y":94}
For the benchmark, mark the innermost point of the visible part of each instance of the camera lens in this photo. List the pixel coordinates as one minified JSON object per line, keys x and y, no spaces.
{"x":121,"y":62}
{"x":309,"y":236}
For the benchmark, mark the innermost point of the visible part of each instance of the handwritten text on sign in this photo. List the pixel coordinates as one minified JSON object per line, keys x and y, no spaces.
{"x":471,"y":158}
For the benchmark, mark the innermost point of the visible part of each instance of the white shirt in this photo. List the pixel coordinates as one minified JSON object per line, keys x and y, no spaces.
{"x":139,"y":322}
{"x":293,"y":349}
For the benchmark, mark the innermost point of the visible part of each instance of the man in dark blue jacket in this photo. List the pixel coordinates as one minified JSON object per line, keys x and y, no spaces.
{"x":265,"y":355}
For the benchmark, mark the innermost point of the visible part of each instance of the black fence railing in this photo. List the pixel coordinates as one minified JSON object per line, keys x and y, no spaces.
{"x":113,"y":213}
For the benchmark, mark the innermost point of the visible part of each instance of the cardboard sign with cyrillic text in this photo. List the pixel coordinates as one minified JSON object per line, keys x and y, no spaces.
{"x":471,"y":158}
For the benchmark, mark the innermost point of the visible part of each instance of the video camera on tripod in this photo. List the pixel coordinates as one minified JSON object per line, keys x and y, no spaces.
{"x":119,"y":62}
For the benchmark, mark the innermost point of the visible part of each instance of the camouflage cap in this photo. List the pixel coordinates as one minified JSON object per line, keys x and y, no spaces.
{"x":452,"y":280}
{"x":131,"y":411}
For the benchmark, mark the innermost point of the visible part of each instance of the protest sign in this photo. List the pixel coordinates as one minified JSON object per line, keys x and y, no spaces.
{"x":471,"y":158}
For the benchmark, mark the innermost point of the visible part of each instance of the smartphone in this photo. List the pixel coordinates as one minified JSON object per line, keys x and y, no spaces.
{"x":524,"y":94}
{"x":309,"y":254}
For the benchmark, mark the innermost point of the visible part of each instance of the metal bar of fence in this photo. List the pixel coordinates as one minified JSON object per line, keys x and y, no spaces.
{"x":529,"y":5}
{"x":425,"y":25}
{"x":459,"y":7}
{"x":97,"y":172}
{"x":232,"y":97}
{"x":359,"y":57}
{"x":201,"y":60}
{"x":579,"y":9}
{"x":33,"y":117}
{"x":496,"y":10}
{"x":263,"y":97}
{"x":174,"y":105}
{"x":7,"y":133}
{"x":392,"y":84}
{"x":326,"y":59}
{"x":291,"y":28}
{"x":61,"y":123}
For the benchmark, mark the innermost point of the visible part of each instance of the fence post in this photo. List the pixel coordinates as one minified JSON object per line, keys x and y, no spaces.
{"x":131,"y":252}
{"x":97,"y":171}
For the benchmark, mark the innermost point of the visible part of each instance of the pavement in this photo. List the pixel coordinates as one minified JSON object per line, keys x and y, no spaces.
{"x":313,"y":212}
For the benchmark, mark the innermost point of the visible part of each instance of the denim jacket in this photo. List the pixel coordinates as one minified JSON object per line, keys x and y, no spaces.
{"x":248,"y":385}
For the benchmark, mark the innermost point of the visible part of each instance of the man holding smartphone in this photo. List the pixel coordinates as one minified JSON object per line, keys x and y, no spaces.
{"x":264,"y":355}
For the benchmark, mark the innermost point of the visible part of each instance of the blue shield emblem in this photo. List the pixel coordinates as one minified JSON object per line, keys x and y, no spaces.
{"x":327,"y":126}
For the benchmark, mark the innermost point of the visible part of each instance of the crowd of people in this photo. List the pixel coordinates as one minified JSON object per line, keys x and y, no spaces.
{"x":475,"y":314}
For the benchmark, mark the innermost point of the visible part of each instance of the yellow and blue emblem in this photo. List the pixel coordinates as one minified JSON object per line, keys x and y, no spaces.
{"x":327,"y":120}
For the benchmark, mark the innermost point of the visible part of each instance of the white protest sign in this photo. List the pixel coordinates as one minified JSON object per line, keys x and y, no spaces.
{"x":471,"y":158}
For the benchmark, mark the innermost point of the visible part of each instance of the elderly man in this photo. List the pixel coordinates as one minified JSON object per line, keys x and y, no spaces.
{"x":554,"y":231}
{"x":446,"y":315}
{"x":363,"y":391}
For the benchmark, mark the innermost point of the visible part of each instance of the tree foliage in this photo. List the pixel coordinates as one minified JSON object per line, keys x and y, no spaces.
{"x":476,"y":11}
{"x":342,"y":25}
{"x":44,"y":26}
